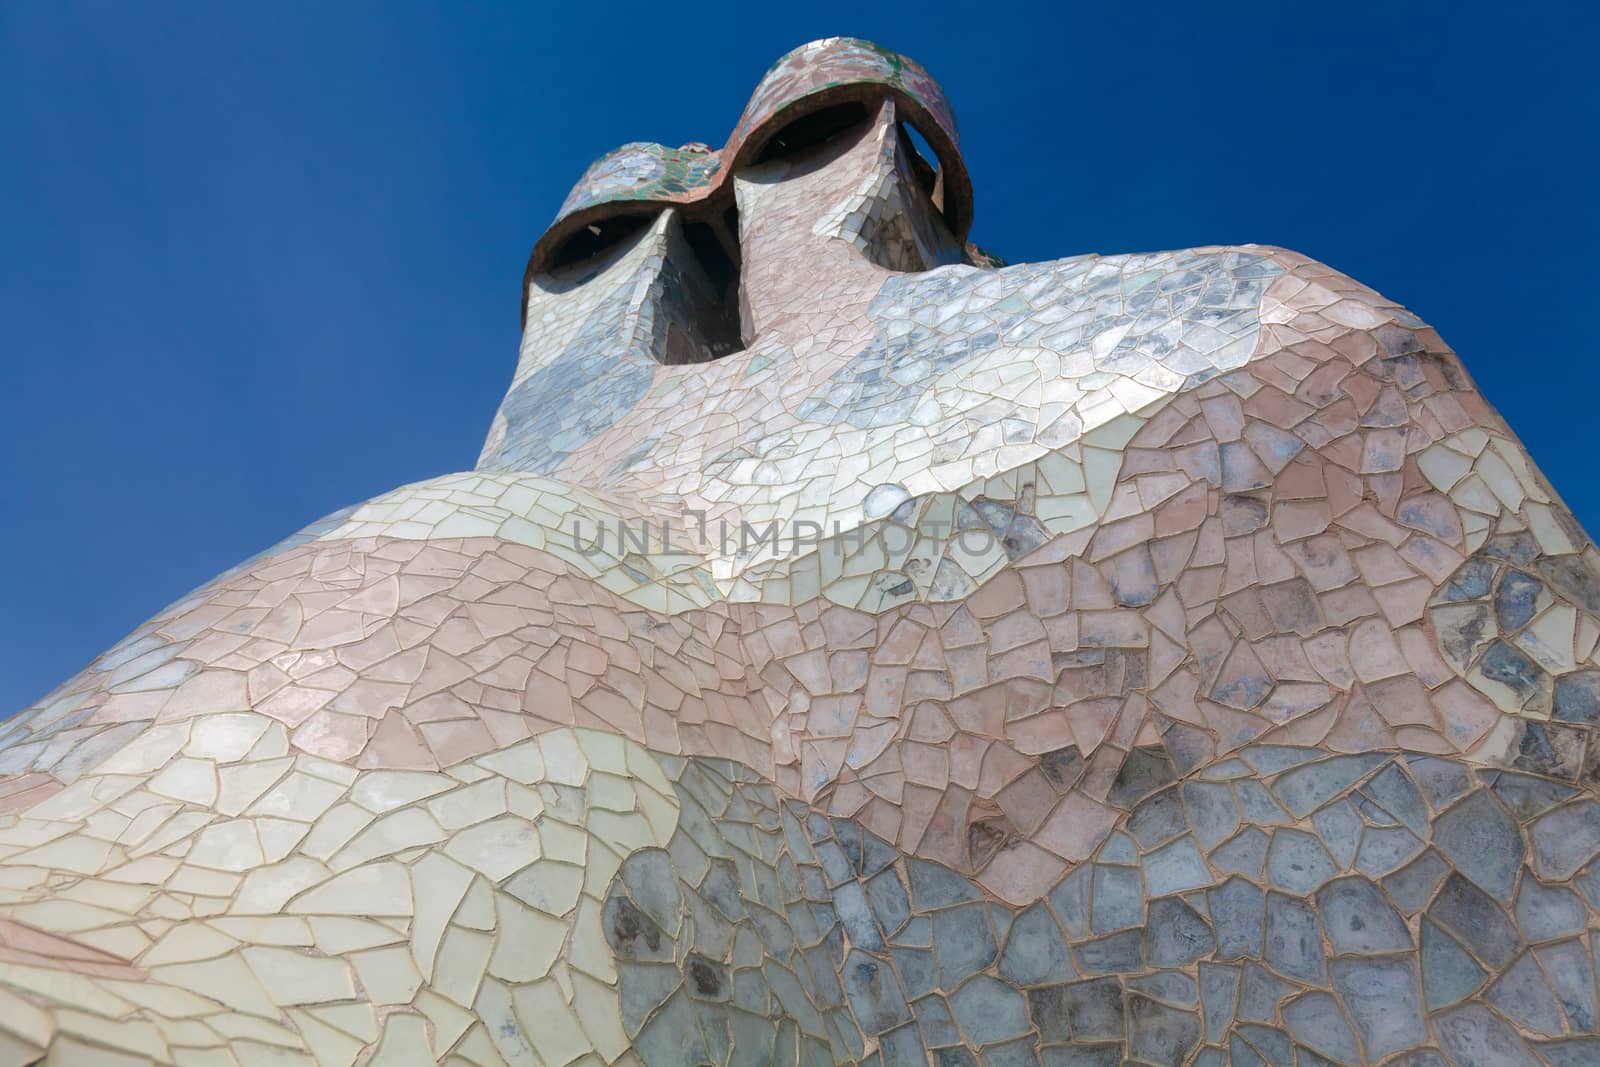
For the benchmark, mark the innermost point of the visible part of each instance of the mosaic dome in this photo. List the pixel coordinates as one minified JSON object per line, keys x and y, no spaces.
{"x":850,"y":649}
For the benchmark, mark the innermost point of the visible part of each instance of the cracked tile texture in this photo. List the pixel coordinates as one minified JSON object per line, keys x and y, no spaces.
{"x":852,"y":649}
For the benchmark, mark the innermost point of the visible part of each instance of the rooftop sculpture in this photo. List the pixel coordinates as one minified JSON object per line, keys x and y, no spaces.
{"x":851,"y":649}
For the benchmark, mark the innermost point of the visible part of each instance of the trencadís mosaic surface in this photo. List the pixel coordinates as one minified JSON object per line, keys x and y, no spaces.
{"x":852,"y":649}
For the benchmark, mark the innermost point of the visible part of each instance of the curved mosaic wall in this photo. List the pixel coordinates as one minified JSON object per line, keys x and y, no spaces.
{"x":1163,"y":659}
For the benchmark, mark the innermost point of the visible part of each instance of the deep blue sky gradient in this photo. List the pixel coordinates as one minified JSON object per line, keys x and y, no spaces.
{"x":261,"y":260}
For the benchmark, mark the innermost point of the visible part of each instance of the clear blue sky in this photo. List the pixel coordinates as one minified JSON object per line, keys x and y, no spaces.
{"x":261,"y":260}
